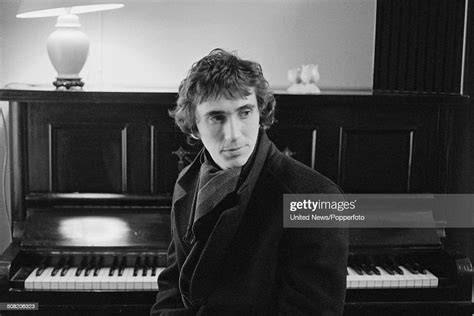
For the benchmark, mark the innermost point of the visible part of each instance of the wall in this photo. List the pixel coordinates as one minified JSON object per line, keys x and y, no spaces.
{"x":153,"y":43}
{"x":5,"y":237}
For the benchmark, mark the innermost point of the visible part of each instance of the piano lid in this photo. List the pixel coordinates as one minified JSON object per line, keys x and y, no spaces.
{"x":98,"y":228}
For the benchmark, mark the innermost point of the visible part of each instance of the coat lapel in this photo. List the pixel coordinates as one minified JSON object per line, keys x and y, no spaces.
{"x":183,"y":196}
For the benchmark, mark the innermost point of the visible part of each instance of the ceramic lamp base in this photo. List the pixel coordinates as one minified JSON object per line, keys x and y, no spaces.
{"x":68,"y":84}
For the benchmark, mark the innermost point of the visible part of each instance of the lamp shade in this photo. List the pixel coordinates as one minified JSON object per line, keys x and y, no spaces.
{"x":45,"y":8}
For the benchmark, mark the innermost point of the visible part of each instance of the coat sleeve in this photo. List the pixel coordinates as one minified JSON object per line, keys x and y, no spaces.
{"x":168,"y":299}
{"x":313,"y":272}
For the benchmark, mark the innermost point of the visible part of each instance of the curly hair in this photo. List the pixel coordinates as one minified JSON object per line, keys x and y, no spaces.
{"x":222,"y":74}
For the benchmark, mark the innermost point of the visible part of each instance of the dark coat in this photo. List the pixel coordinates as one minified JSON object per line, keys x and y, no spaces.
{"x":250,"y":264}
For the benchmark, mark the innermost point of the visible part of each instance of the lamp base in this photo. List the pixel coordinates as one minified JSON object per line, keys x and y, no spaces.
{"x":68,"y":84}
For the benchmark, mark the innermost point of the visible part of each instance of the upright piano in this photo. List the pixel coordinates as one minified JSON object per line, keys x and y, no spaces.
{"x":92,"y":176}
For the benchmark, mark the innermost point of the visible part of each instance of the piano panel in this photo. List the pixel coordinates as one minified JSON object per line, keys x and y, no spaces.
{"x":88,"y":157}
{"x":382,"y":154}
{"x":298,"y":142}
{"x":171,"y":153}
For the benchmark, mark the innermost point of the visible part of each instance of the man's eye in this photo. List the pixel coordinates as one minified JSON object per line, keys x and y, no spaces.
{"x":217,"y":118}
{"x":245,"y":113}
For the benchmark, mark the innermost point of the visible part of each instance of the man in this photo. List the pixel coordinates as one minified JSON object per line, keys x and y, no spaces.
{"x":230,"y":253}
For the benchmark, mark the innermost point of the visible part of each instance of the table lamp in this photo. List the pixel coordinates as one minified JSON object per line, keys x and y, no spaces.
{"x":67,"y":46}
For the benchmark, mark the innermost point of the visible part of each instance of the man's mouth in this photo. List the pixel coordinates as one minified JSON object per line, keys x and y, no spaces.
{"x":233,"y":149}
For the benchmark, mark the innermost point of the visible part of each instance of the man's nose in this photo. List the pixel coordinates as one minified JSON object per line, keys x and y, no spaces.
{"x":232,"y":128}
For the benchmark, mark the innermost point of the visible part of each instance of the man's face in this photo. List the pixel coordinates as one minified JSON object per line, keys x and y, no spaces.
{"x":229,"y":129}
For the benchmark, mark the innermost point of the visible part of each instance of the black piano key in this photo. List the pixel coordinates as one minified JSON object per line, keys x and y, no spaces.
{"x":68,"y":265}
{"x":146,"y":266}
{"x":90,"y":266}
{"x":99,"y":265}
{"x":376,"y":271}
{"x":43,"y":264}
{"x":410,"y":268}
{"x":388,"y":269}
{"x":123,"y":265}
{"x":138,"y":265}
{"x":82,"y":266}
{"x":363,"y":262}
{"x":357,"y":269}
{"x":417,"y":266}
{"x":356,"y":266}
{"x":155,"y":265}
{"x":58,"y":266}
{"x":393,"y":264}
{"x":405,"y":262}
{"x":114,"y":266}
{"x":371,"y":265}
{"x":385,"y":263}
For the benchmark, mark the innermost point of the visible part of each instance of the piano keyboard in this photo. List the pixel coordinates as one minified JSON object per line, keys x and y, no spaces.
{"x":92,"y":276}
{"x":72,"y":280}
{"x":363,"y":273}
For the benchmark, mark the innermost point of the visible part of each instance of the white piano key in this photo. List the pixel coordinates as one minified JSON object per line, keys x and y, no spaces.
{"x":155,"y":284}
{"x":378,"y":280}
{"x":122,"y":280}
{"x":130,"y":283}
{"x":54,"y":283}
{"x":425,"y":280}
{"x":433,"y":279}
{"x":411,"y":278}
{"x":63,"y":280}
{"x":402,"y":280}
{"x":46,"y":279}
{"x":150,"y":282}
{"x":417,"y":278}
{"x":349,"y":279}
{"x":375,"y":281}
{"x":369,"y":279}
{"x":103,"y":278}
{"x":38,"y":282}
{"x":397,"y":280}
{"x":388,"y":280}
{"x":29,"y":281}
{"x":138,"y":282}
{"x":88,"y":281}
{"x":126,"y":279}
{"x":71,"y":279}
{"x":95,"y":280}
{"x":113,"y":280}
{"x":358,"y":281}
{"x":79,"y":281}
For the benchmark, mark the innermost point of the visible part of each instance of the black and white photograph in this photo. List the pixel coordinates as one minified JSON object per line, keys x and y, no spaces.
{"x":236,"y":157}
